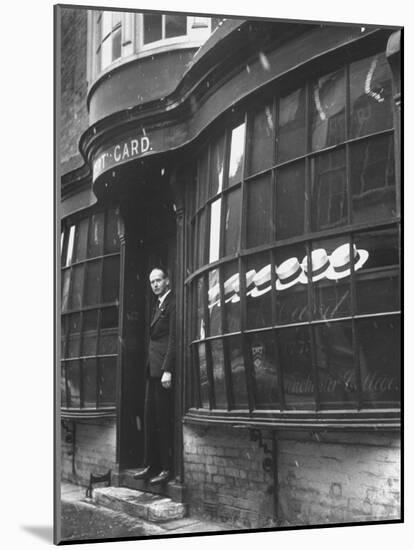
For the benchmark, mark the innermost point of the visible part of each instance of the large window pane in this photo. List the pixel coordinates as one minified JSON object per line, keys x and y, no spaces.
{"x":232,"y":222}
{"x":290,"y":201}
{"x":69,"y":248}
{"x":77,"y":287}
{"x":74,"y":332}
{"x":380,"y":361}
{"x":218,"y":374}
{"x":295,"y":358}
{"x":93,"y":283}
{"x":261,"y":141}
{"x":202,"y":181}
{"x":96,"y":232}
{"x":215,"y":216}
{"x":335,"y":364}
{"x":65,"y":289}
{"x":111,"y":279}
{"x":214,"y":306}
{"x":258,"y":291}
{"x":116,"y":44}
{"x":63,"y":393}
{"x":262,"y":347}
{"x":330,"y":260}
{"x":200,"y":326}
{"x":373,"y":180}
{"x":107,"y":381}
{"x":175,"y":25}
{"x":199,"y":242}
{"x":328,"y":110}
{"x":376,"y":271}
{"x":81,"y":239}
{"x":238,"y":373}
{"x":73,"y":384}
{"x":89,"y":332}
{"x":328,"y":191}
{"x":111,"y":232}
{"x":204,"y":384}
{"x":291,"y":137}
{"x":260,"y":227}
{"x":291,"y":285}
{"x":217,"y":166}
{"x":371,"y":95}
{"x":152,"y":27}
{"x":236,"y":154}
{"x":89,"y":382}
{"x":231,"y":296}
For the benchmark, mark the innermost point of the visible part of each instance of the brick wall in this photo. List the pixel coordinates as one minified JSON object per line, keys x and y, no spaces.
{"x":322,"y":478}
{"x":94,"y":447}
{"x":74,"y":115}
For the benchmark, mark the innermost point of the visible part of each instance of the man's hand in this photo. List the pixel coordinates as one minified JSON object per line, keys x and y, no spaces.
{"x":166,"y":380}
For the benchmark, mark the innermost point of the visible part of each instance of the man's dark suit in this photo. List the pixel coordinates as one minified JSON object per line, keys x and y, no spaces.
{"x":158,"y":400}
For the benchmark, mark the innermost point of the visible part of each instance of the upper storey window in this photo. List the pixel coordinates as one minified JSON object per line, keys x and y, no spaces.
{"x":114,"y":36}
{"x":109,"y":31}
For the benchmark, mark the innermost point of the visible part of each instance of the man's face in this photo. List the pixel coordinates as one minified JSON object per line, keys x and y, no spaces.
{"x":159,"y":283}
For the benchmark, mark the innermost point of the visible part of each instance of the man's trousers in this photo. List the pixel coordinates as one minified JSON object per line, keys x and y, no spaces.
{"x":158,"y":425}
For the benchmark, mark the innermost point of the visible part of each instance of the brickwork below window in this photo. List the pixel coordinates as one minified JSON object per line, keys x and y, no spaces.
{"x":322,"y":477}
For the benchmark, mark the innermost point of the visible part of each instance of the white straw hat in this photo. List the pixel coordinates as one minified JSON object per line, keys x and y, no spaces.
{"x":341,"y":261}
{"x":262,"y":282}
{"x":250,"y":275}
{"x":289,"y":273}
{"x":232,"y":287}
{"x":320,"y":264}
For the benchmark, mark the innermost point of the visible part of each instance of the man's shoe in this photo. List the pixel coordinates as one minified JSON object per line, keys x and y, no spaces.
{"x":162,"y":477}
{"x":143,"y":473}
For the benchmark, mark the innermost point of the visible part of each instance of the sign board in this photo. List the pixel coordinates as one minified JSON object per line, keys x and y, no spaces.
{"x":128,"y":149}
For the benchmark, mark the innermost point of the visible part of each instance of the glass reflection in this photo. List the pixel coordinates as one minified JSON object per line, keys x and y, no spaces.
{"x":330,"y":261}
{"x":295,"y":358}
{"x":380,"y":361}
{"x":96,"y":233}
{"x":260,"y":227}
{"x":89,"y":382}
{"x":290,"y":201}
{"x":291,"y":285}
{"x":373,"y":179}
{"x":214,"y":308}
{"x":218,"y":374}
{"x":215,"y":216}
{"x":202,"y":362}
{"x":292,"y":124}
{"x":69,"y":250}
{"x":260,"y":140}
{"x":370,"y":95}
{"x":231,"y":297}
{"x":73,"y":384}
{"x":81,"y":239}
{"x":377,"y":282}
{"x":238,"y":374}
{"x":236,"y":154}
{"x":107,"y":381}
{"x":335,"y":365}
{"x":264,"y":360}
{"x":258,"y":300}
{"x":232,"y":222}
{"x":217,"y":167}
{"x":328,"y":110}
{"x":328,"y":191}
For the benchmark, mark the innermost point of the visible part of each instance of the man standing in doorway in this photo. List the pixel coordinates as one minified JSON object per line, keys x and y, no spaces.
{"x":158,"y":411}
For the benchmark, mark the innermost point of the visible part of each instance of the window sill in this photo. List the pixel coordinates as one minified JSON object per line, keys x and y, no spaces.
{"x":377,"y":419}
{"x":109,"y":412}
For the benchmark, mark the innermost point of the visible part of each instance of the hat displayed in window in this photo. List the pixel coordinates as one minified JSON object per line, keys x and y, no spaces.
{"x":320,"y":265}
{"x":262,"y":282}
{"x":250,"y":286}
{"x":231,"y":289}
{"x":341,"y":261}
{"x":213,"y":296}
{"x":289,"y":273}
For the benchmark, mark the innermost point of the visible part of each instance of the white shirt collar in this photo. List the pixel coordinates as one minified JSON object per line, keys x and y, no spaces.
{"x":162,"y":298}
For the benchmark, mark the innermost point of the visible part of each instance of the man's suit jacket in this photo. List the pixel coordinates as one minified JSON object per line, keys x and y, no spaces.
{"x":161,"y":353}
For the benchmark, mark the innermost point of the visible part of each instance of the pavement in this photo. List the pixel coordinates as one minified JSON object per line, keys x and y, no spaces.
{"x":82,"y":519}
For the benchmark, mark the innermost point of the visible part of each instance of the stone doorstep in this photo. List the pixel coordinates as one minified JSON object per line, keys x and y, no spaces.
{"x":139,"y":504}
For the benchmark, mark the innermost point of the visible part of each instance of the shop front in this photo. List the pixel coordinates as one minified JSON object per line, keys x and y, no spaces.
{"x":268,"y":182}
